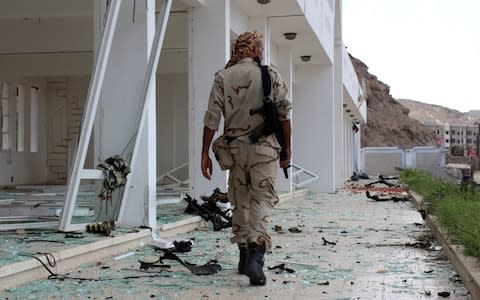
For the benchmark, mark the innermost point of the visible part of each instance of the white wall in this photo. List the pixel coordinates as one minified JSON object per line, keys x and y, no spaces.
{"x":35,"y":70}
{"x":60,"y":34}
{"x":320,"y":16}
{"x":25,"y":167}
{"x":209,"y":49}
{"x":238,"y":19}
{"x":348,"y":148}
{"x":20,"y":66}
{"x":174,"y":55}
{"x":313,"y":130}
{"x":172,"y":121}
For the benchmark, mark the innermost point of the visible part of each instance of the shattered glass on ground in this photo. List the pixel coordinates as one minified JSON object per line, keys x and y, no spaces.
{"x":345,"y":246}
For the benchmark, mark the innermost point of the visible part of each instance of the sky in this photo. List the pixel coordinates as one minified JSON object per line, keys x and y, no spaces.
{"x":425,"y":50}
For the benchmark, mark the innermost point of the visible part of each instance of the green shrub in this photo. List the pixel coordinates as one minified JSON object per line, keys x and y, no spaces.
{"x":457,"y":208}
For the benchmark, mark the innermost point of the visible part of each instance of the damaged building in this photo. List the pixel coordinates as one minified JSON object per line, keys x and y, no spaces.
{"x":83,"y":81}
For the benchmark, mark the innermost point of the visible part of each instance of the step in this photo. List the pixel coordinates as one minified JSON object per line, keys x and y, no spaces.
{"x":60,"y":147}
{"x":57,"y":155}
{"x":73,"y":130}
{"x":74,"y":123}
{"x":61,"y":92}
{"x":75,"y":117}
{"x":58,"y":169}
{"x":56,"y":162}
{"x":76,"y":110}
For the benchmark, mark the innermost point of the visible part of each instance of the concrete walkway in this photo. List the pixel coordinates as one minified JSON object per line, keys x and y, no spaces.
{"x":349,"y":247}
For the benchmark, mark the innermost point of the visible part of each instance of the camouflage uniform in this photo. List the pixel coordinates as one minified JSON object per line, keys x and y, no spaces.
{"x":235,"y":91}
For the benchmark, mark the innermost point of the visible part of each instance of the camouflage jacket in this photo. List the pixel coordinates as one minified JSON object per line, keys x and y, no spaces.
{"x":238,"y":89}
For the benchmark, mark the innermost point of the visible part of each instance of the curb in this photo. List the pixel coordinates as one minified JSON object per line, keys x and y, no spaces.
{"x":467,"y":267}
{"x":22,"y":272}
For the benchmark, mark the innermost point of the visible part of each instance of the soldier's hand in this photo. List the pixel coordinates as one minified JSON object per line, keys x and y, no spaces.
{"x":206,"y":166}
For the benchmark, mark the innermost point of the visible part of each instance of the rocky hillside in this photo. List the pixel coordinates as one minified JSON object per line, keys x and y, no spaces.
{"x":435,"y":114}
{"x":388,"y":123}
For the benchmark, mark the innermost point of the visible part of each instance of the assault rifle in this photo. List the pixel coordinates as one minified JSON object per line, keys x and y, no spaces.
{"x":271,"y":124}
{"x":209,"y":212}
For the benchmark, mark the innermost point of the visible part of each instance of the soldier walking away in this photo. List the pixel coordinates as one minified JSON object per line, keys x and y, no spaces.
{"x":251,"y":157}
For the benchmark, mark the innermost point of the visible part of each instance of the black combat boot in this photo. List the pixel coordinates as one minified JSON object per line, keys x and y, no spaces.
{"x":242,"y":263}
{"x":255,"y":261}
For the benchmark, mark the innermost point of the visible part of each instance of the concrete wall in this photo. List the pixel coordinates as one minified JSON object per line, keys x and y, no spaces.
{"x":378,"y":160}
{"x":26,"y":167}
{"x":60,"y":34}
{"x":172,"y":121}
{"x":35,"y":167}
{"x":320,"y":15}
{"x":209,"y":49}
{"x":313,"y":140}
{"x":383,"y":160}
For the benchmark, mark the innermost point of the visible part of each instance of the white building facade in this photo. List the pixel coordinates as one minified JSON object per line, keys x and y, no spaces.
{"x":52,"y":48}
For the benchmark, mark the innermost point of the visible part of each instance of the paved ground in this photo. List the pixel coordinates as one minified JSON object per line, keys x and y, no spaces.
{"x":382,"y":251}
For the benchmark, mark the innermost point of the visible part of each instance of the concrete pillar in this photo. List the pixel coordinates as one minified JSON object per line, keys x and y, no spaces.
{"x":121,"y":104}
{"x":357,"y":149}
{"x":261,"y":24}
{"x":313,"y":132}
{"x":285,"y":67}
{"x":339,"y":146}
{"x":209,"y":50}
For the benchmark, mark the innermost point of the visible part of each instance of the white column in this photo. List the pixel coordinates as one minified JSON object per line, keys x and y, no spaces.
{"x":20,"y":130}
{"x":285,"y":67}
{"x":5,"y":117}
{"x":261,"y":24}
{"x":34,"y":119}
{"x":121,"y":102}
{"x":313,"y":131}
{"x":339,"y":145}
{"x":209,"y":50}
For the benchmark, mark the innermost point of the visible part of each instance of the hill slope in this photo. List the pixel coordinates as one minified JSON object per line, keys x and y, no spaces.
{"x":388,"y":123}
{"x":435,"y":114}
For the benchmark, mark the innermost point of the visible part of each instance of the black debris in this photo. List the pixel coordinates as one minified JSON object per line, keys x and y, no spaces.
{"x":278,"y":229}
{"x":325,"y":242}
{"x":386,"y":197}
{"x":182,"y":246}
{"x":323,"y":283}
{"x":115,"y":170}
{"x":444,"y":294}
{"x":209,"y":268}
{"x":354,"y":177}
{"x":209,"y":209}
{"x":363,"y":176}
{"x":294,"y":230}
{"x":383,"y":181}
{"x":73,"y":236}
{"x":281,"y":268}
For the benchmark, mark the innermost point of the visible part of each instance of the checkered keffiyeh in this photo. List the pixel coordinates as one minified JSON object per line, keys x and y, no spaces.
{"x":243,"y":46}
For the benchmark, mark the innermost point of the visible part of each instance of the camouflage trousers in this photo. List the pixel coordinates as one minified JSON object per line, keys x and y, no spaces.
{"x":251,"y":190}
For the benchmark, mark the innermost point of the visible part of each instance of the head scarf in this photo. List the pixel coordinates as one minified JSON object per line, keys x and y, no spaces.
{"x":243,"y":46}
